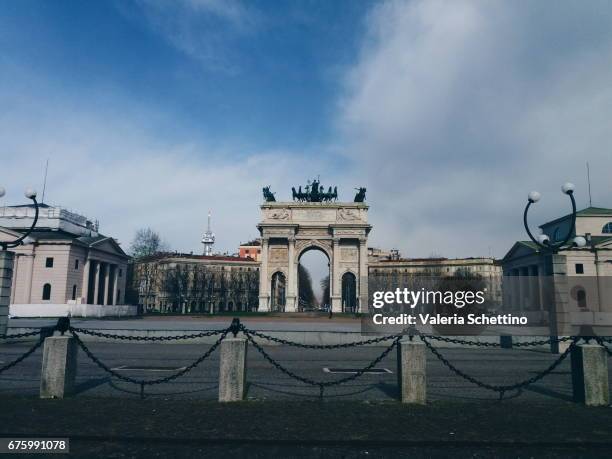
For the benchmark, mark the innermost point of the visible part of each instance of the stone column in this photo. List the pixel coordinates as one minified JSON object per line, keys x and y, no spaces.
{"x":335,"y":279}
{"x":232,"y":369}
{"x":292,"y":278}
{"x":85,"y":283}
{"x":590,"y":375}
{"x":115,"y":283}
{"x":363,"y":276}
{"x":13,"y":290}
{"x":6,"y":279}
{"x":411,"y":371}
{"x":59,"y":367}
{"x":96,"y":281}
{"x":107,"y":267}
{"x":264,"y":285}
{"x":30,"y":276}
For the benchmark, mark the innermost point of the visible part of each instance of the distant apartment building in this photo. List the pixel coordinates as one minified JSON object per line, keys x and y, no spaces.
{"x":390,"y":270}
{"x":251,"y":249}
{"x":581,"y":276}
{"x":67,"y":262}
{"x":187,"y":283}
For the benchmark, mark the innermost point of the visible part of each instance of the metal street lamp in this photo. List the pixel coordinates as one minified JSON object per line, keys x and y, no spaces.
{"x":543,"y":241}
{"x":30,"y":194}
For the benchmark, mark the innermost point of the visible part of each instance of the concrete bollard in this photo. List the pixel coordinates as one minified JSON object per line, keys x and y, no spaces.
{"x":411,"y":371}
{"x":590,"y":375}
{"x":232,"y":370}
{"x":59,"y":367}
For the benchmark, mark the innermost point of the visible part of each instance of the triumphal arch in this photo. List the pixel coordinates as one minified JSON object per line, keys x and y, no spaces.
{"x":314,"y":220}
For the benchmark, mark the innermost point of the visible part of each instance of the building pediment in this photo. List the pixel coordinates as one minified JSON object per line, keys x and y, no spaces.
{"x":8,"y":234}
{"x":108,"y":245}
{"x":520,"y":249}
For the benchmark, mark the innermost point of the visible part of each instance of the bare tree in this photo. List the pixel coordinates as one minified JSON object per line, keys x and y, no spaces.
{"x":147,"y":242}
{"x":176,"y":282}
{"x":306,"y":294}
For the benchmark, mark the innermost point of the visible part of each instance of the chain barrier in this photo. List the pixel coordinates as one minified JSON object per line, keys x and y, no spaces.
{"x":497,"y":345}
{"x":319,"y":346}
{"x":85,"y":331}
{"x":321,"y":384}
{"x":20,"y":335}
{"x":143,"y":382}
{"x":602,"y":342}
{"x":500,"y":389}
{"x":28,"y":353}
{"x":63,"y":325}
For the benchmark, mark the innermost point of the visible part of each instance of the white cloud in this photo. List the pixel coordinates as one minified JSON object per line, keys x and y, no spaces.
{"x":116,"y":169}
{"x":458,"y":109}
{"x":202,"y":29}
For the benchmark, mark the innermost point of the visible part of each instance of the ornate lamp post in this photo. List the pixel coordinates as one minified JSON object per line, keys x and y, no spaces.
{"x":6,"y":262}
{"x":543,"y":241}
{"x":550,"y":248}
{"x":30,"y":194}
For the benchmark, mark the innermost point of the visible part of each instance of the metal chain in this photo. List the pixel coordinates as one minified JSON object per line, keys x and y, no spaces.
{"x":86,"y":331}
{"x":21,"y":335}
{"x":23,"y":357}
{"x":152,"y":382}
{"x":461,"y":341}
{"x":487,"y":344}
{"x":602,"y":342}
{"x":321,"y":384}
{"x":318,"y":346}
{"x":501,"y":389}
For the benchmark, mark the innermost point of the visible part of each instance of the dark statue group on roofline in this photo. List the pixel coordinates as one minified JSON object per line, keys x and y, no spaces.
{"x":314,"y":192}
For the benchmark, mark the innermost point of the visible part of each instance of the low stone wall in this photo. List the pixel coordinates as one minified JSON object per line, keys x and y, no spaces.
{"x":72,"y":310}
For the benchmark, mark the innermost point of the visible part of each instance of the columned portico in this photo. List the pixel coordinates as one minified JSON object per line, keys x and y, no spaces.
{"x":288,"y":229}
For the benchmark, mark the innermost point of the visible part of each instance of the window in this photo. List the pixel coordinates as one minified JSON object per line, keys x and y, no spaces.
{"x":607,"y":228}
{"x":118,"y":296}
{"x":46,"y":291}
{"x":74,"y":292}
{"x":49,"y":262}
{"x":120,"y":272}
{"x":76,"y":264}
{"x":557,"y":235}
{"x":579,"y":268}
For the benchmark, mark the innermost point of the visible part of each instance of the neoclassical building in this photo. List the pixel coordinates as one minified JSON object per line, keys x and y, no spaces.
{"x":389,"y":271}
{"x":187,"y":283}
{"x":66,"y":262}
{"x":569,"y":288}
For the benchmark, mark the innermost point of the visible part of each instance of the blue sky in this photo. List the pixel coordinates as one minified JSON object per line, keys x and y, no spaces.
{"x":264,"y":76}
{"x":154,"y":111}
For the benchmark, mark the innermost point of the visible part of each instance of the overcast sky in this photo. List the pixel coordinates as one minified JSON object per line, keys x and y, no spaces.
{"x":151,"y":112}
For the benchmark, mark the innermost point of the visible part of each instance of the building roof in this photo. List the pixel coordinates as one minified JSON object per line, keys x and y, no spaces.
{"x":433,"y":260}
{"x":254,"y":242}
{"x":190,"y":256}
{"x":596,"y":240}
{"x":586,"y":212}
{"x":60,"y":235}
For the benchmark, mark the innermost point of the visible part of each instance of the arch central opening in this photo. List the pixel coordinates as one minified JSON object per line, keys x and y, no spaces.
{"x":313,"y":280}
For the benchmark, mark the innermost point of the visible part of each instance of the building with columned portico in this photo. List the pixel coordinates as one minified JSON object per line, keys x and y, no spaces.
{"x":67,"y":267}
